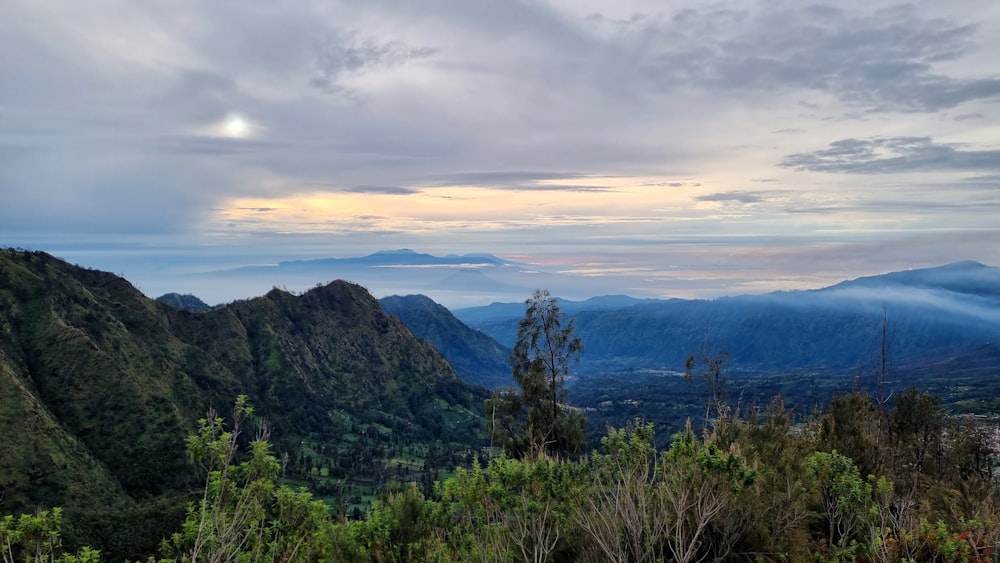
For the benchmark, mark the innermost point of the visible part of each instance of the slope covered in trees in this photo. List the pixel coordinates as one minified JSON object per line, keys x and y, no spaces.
{"x":477,"y":358}
{"x":859,"y":482}
{"x":101,"y":384}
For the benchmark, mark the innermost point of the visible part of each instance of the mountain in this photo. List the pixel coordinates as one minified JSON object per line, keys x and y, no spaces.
{"x":186,"y":302}
{"x":502,"y":312}
{"x":477,"y":358}
{"x":455,"y":280}
{"x":930,"y":311}
{"x":100,"y":385}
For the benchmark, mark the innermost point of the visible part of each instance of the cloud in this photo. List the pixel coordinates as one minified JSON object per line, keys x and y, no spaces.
{"x":890,"y":59}
{"x":522,"y":181}
{"x":888,"y":155}
{"x":741,"y":197}
{"x":672,"y":184}
{"x":385,"y":190}
{"x":499,"y":178}
{"x":350,"y":52}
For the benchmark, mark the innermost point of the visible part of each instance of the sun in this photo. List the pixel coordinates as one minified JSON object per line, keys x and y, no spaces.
{"x":236,"y":126}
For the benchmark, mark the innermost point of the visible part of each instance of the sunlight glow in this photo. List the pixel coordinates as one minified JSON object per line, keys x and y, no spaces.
{"x":232,"y":126}
{"x":236,"y":126}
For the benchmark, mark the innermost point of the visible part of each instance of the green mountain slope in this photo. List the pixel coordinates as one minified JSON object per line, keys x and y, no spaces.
{"x":184,"y":301}
{"x":101,"y":384}
{"x":477,"y":358}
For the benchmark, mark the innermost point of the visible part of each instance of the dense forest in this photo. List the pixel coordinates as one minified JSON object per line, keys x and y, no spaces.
{"x":887,"y":474}
{"x":861,"y":482}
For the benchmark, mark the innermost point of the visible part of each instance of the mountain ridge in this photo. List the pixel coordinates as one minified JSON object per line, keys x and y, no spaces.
{"x":115,"y":381}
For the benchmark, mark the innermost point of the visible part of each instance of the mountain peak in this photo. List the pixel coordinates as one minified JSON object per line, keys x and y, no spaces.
{"x":962,"y":265}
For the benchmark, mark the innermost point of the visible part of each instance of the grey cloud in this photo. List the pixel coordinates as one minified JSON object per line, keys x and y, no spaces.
{"x":201,"y":145}
{"x":350,"y":52}
{"x":672,"y":184}
{"x":559,"y":188}
{"x":498,"y":178}
{"x":887,"y":155}
{"x":741,"y":197}
{"x":985,"y":178}
{"x":518,"y":181}
{"x":882,"y":60}
{"x":386,"y":190}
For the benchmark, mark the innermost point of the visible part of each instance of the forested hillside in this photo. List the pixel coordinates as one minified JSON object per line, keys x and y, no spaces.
{"x":101,"y":385}
{"x":476,"y":357}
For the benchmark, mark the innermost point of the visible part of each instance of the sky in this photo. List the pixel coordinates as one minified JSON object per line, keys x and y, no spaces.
{"x":671,"y":148}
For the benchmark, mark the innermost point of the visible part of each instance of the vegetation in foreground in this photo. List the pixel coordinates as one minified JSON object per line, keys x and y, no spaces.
{"x":865,"y":481}
{"x":856,"y":484}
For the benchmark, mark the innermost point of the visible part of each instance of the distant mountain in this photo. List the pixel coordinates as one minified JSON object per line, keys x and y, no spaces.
{"x":495,"y":312}
{"x":930,"y":311}
{"x":401,"y":257}
{"x":455,"y":280}
{"x":184,"y":302}
{"x":99,"y":386}
{"x":477,"y":358}
{"x":967,"y":277}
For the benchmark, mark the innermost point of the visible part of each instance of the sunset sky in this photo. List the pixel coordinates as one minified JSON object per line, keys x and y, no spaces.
{"x":684,"y":148}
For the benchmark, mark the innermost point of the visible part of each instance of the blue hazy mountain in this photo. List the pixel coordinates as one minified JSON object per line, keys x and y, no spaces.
{"x":456,"y":280}
{"x":506,"y":311}
{"x":930,"y":313}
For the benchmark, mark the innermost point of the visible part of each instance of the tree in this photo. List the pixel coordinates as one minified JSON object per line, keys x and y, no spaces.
{"x":701,"y":483}
{"x":845,"y":499}
{"x":35,"y":537}
{"x":620,"y":514}
{"x":244,"y":515}
{"x":535,"y":420}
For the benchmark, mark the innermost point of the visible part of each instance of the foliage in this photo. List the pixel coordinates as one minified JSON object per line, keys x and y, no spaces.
{"x":747,"y":489}
{"x":35,"y":538}
{"x":99,"y":386}
{"x":844,"y":499}
{"x":535,"y":420}
{"x":243,"y":515}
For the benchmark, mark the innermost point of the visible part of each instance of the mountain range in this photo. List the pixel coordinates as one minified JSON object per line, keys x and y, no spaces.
{"x":929,"y":311}
{"x":456,"y":280}
{"x":100,"y":385}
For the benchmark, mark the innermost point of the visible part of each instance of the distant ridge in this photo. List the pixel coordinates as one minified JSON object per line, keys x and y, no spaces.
{"x":184,"y":302}
{"x":400,"y":257}
{"x":932,"y":311}
{"x":968,"y":277}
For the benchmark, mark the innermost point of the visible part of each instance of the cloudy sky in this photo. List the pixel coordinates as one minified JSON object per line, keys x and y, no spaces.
{"x":682,"y":148}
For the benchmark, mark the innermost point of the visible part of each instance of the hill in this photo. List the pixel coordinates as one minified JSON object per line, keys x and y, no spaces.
{"x":184,"y":301}
{"x":477,"y":358}
{"x":930,"y":311}
{"x":100,"y":385}
{"x":942,"y":331}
